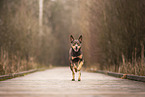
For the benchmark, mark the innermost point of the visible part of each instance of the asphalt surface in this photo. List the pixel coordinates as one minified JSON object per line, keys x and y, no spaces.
{"x":57,"y":82}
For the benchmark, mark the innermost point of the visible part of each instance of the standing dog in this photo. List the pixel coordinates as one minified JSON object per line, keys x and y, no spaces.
{"x":76,"y":56}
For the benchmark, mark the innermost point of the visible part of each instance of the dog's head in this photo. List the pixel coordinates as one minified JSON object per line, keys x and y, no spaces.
{"x":76,"y":43}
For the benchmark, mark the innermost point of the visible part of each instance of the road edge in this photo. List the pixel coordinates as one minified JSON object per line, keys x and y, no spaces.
{"x":13,"y":75}
{"x":121,"y":75}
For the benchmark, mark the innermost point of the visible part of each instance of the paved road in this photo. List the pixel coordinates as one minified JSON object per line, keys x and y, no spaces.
{"x":57,"y":83}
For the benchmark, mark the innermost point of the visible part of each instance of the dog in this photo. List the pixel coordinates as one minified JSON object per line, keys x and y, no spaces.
{"x":76,"y":56}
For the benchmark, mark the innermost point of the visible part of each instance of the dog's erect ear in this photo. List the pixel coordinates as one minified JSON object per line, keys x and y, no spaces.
{"x":71,"y":38}
{"x":80,"y":38}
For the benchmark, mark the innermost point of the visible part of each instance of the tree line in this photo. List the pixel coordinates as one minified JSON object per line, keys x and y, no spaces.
{"x":22,"y":46}
{"x":116,"y":34}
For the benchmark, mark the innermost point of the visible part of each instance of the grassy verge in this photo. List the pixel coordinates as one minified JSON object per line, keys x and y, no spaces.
{"x":135,"y":66}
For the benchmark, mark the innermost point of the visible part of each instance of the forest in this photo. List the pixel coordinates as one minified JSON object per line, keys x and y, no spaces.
{"x":35,"y":34}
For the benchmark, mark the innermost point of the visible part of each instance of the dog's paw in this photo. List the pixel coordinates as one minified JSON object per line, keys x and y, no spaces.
{"x":73,"y":79}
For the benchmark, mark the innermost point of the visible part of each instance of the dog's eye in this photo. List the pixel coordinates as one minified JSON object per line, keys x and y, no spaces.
{"x":78,"y":44}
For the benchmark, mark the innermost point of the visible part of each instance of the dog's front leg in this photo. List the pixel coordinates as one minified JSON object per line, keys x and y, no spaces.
{"x":80,"y":66}
{"x":75,"y":67}
{"x":79,"y":79}
{"x":73,"y":58}
{"x":79,"y":69}
{"x":80,"y":56}
{"x":73,"y":74}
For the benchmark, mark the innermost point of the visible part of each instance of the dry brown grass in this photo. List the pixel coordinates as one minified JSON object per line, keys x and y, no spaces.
{"x":14,"y":64}
{"x":136,"y":66}
{"x":132,"y":68}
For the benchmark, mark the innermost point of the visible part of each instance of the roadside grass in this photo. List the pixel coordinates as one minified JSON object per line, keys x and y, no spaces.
{"x":15,"y":64}
{"x":135,"y":66}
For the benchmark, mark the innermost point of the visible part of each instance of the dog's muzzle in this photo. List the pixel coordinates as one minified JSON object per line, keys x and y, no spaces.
{"x":76,"y":49}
